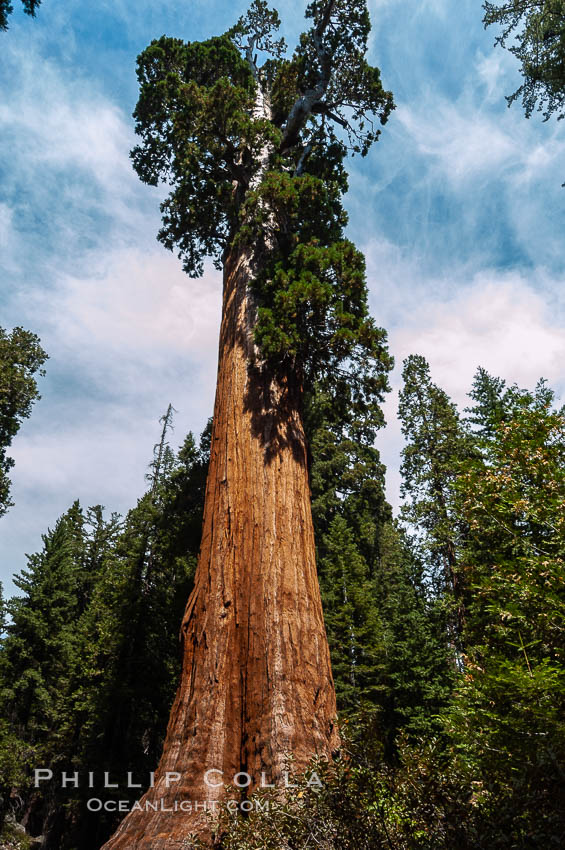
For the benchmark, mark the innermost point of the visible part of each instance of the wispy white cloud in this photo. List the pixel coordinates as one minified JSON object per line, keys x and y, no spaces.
{"x":467,"y":143}
{"x":508,"y":322}
{"x":124,"y":341}
{"x":140,"y":303}
{"x":67,"y":179}
{"x":498,"y":321}
{"x":65,"y":123}
{"x":7,"y":237}
{"x":463,"y":145}
{"x":497,"y":72}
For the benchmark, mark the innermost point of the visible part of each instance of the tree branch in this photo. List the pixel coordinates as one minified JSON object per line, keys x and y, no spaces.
{"x":249,"y":50}
{"x":338,"y":119}
{"x":304,"y":105}
{"x":304,"y":156}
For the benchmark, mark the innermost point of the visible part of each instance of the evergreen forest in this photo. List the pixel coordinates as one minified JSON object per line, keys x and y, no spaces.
{"x":445,"y":628}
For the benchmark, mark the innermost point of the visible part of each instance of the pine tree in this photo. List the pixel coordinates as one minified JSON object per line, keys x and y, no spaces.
{"x":535,"y":33}
{"x":386,"y":635}
{"x":39,"y":641}
{"x":40,"y":649}
{"x":21,"y":359}
{"x":90,"y":660}
{"x":489,"y":408}
{"x":436,"y":444}
{"x":128,"y":661}
{"x":351,"y":616}
{"x":417,"y":678}
{"x":2,"y":611}
{"x":348,"y":510}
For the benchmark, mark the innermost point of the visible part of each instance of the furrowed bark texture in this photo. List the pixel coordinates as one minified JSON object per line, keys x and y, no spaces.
{"x":256,"y":684}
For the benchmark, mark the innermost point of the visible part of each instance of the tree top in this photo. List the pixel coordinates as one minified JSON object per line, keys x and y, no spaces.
{"x":216,"y":116}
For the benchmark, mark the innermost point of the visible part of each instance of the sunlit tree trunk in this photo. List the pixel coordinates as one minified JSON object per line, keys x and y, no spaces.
{"x":256,"y":684}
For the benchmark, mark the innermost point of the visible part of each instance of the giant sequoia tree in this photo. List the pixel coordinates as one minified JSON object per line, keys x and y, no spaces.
{"x":252,"y":141}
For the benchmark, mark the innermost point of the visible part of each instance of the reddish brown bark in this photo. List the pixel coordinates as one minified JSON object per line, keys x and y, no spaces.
{"x":256,"y":682}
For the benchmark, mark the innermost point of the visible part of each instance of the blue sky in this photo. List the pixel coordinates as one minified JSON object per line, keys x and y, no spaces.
{"x":459,"y":209}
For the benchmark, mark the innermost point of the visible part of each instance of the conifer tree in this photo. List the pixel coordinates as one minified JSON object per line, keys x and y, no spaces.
{"x":488,"y":410}
{"x":254,"y":154}
{"x":21,"y":359}
{"x":352,"y":620}
{"x":128,"y":662}
{"x":90,"y":660}
{"x":436,"y":443}
{"x":386,"y":635}
{"x":40,"y":646}
{"x":507,"y":719}
{"x":534,"y":32}
{"x":37,"y":648}
{"x":2,"y":610}
{"x":348,"y":509}
{"x":416,"y":675}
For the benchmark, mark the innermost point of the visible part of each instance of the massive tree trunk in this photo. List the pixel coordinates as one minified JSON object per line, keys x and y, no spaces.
{"x":256,"y":684}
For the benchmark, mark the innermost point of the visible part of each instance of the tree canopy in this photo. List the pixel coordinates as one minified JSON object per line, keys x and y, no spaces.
{"x":6,"y":9}
{"x":534,"y":32}
{"x":203,"y":134}
{"x":252,"y":142}
{"x":21,"y":359}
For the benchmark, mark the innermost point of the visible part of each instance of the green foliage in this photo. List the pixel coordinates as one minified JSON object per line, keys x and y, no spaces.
{"x":313,"y":314}
{"x":254,"y":160}
{"x":16,"y":762}
{"x":508,"y":715}
{"x":13,"y":837}
{"x":21,"y":358}
{"x":193,"y":115}
{"x":504,"y":492}
{"x":423,"y":803}
{"x":417,"y":677}
{"x":90,"y":659}
{"x":254,"y":31}
{"x":354,"y":98}
{"x":386,"y":635}
{"x":6,"y":9}
{"x":40,"y":637}
{"x":478,"y":754}
{"x":489,"y":408}
{"x":348,"y":508}
{"x":537,"y":30}
{"x":113,"y":687}
{"x":436,"y":443}
{"x":127,"y":669}
{"x":40,"y":643}
{"x":433,"y":758}
{"x":352,"y":619}
{"x":2,"y":611}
